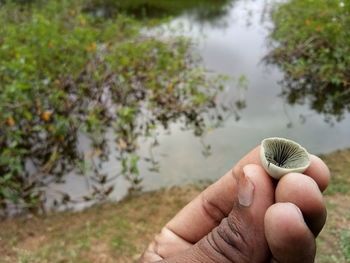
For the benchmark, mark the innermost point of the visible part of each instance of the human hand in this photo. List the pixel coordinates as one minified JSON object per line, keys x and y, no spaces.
{"x":246,"y":217}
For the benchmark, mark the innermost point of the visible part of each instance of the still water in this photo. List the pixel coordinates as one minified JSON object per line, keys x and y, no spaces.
{"x":234,"y":43}
{"x":238,"y":47}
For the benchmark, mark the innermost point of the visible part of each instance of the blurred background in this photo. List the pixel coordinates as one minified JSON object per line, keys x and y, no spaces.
{"x":115,"y":113}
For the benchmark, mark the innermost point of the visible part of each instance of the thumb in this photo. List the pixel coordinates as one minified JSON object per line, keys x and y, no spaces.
{"x":240,"y":236}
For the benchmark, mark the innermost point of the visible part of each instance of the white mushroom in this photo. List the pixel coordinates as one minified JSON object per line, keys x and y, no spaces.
{"x":280,"y":156}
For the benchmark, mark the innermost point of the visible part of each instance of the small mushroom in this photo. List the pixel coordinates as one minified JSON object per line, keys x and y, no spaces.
{"x":280,"y":156}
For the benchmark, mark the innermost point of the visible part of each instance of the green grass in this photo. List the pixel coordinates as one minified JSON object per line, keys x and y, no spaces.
{"x":334,"y":241}
{"x":345,"y":244}
{"x":339,"y":163}
{"x":115,"y":232}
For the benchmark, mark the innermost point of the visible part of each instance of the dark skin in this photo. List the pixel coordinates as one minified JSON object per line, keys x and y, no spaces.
{"x":246,"y":216}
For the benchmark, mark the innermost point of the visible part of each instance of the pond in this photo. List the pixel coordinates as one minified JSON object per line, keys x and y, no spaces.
{"x":232,"y":38}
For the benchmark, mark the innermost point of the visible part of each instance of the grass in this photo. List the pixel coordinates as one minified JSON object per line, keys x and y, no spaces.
{"x":339,"y":163}
{"x":345,"y":243}
{"x":334,"y":240}
{"x":119,"y":232}
{"x":113,"y":232}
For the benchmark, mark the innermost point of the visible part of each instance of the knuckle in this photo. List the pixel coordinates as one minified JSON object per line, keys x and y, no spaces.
{"x":212,"y":210}
{"x":229,"y":243}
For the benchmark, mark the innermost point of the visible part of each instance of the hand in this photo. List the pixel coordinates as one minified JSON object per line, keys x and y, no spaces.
{"x":247,"y":217}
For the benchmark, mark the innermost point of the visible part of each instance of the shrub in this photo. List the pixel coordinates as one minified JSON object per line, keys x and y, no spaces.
{"x":64,"y":73}
{"x":312,"y":46}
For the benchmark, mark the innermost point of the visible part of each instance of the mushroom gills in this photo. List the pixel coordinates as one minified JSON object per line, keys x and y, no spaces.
{"x":280,"y":156}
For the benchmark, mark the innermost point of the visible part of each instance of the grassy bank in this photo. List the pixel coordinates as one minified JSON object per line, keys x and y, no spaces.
{"x":118,"y":232}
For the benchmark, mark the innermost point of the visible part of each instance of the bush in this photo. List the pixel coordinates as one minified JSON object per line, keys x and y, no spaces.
{"x":204,"y":10}
{"x":313,"y":49}
{"x":64,"y":73}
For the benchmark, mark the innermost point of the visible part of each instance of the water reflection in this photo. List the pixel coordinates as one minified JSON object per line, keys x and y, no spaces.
{"x":332,"y":101}
{"x":201,"y":11}
{"x":236,"y":49}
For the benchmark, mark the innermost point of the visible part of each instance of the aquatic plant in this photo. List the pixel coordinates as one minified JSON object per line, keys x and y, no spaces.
{"x":65,"y":74}
{"x":311,"y":44}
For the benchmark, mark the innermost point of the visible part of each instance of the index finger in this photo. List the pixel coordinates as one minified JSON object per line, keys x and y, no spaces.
{"x":207,"y":210}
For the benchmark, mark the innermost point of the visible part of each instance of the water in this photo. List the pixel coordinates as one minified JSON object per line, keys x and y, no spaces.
{"x":238,"y":48}
{"x":232,"y":42}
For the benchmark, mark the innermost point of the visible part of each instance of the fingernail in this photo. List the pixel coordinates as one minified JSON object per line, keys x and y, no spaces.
{"x":246,"y":188}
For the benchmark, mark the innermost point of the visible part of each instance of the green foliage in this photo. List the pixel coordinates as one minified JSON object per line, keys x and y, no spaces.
{"x":64,"y":72}
{"x":313,"y":49}
{"x":345,"y":244}
{"x":204,"y":10}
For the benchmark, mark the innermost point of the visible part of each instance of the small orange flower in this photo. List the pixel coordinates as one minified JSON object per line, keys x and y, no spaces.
{"x":122,"y":144}
{"x":11,"y":121}
{"x":91,"y":47}
{"x":308,"y":22}
{"x":57,"y":82}
{"x":318,"y":28}
{"x":46,"y":115}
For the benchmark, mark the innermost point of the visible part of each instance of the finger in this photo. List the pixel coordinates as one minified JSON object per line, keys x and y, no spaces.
{"x":196,"y":219}
{"x":165,"y":244}
{"x":240,"y":237}
{"x":288,"y":236}
{"x":256,"y":192}
{"x":207,"y":210}
{"x":302,"y":191}
{"x":318,"y":171}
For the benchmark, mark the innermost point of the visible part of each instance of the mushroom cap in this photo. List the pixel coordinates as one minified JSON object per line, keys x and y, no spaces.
{"x":280,"y":156}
